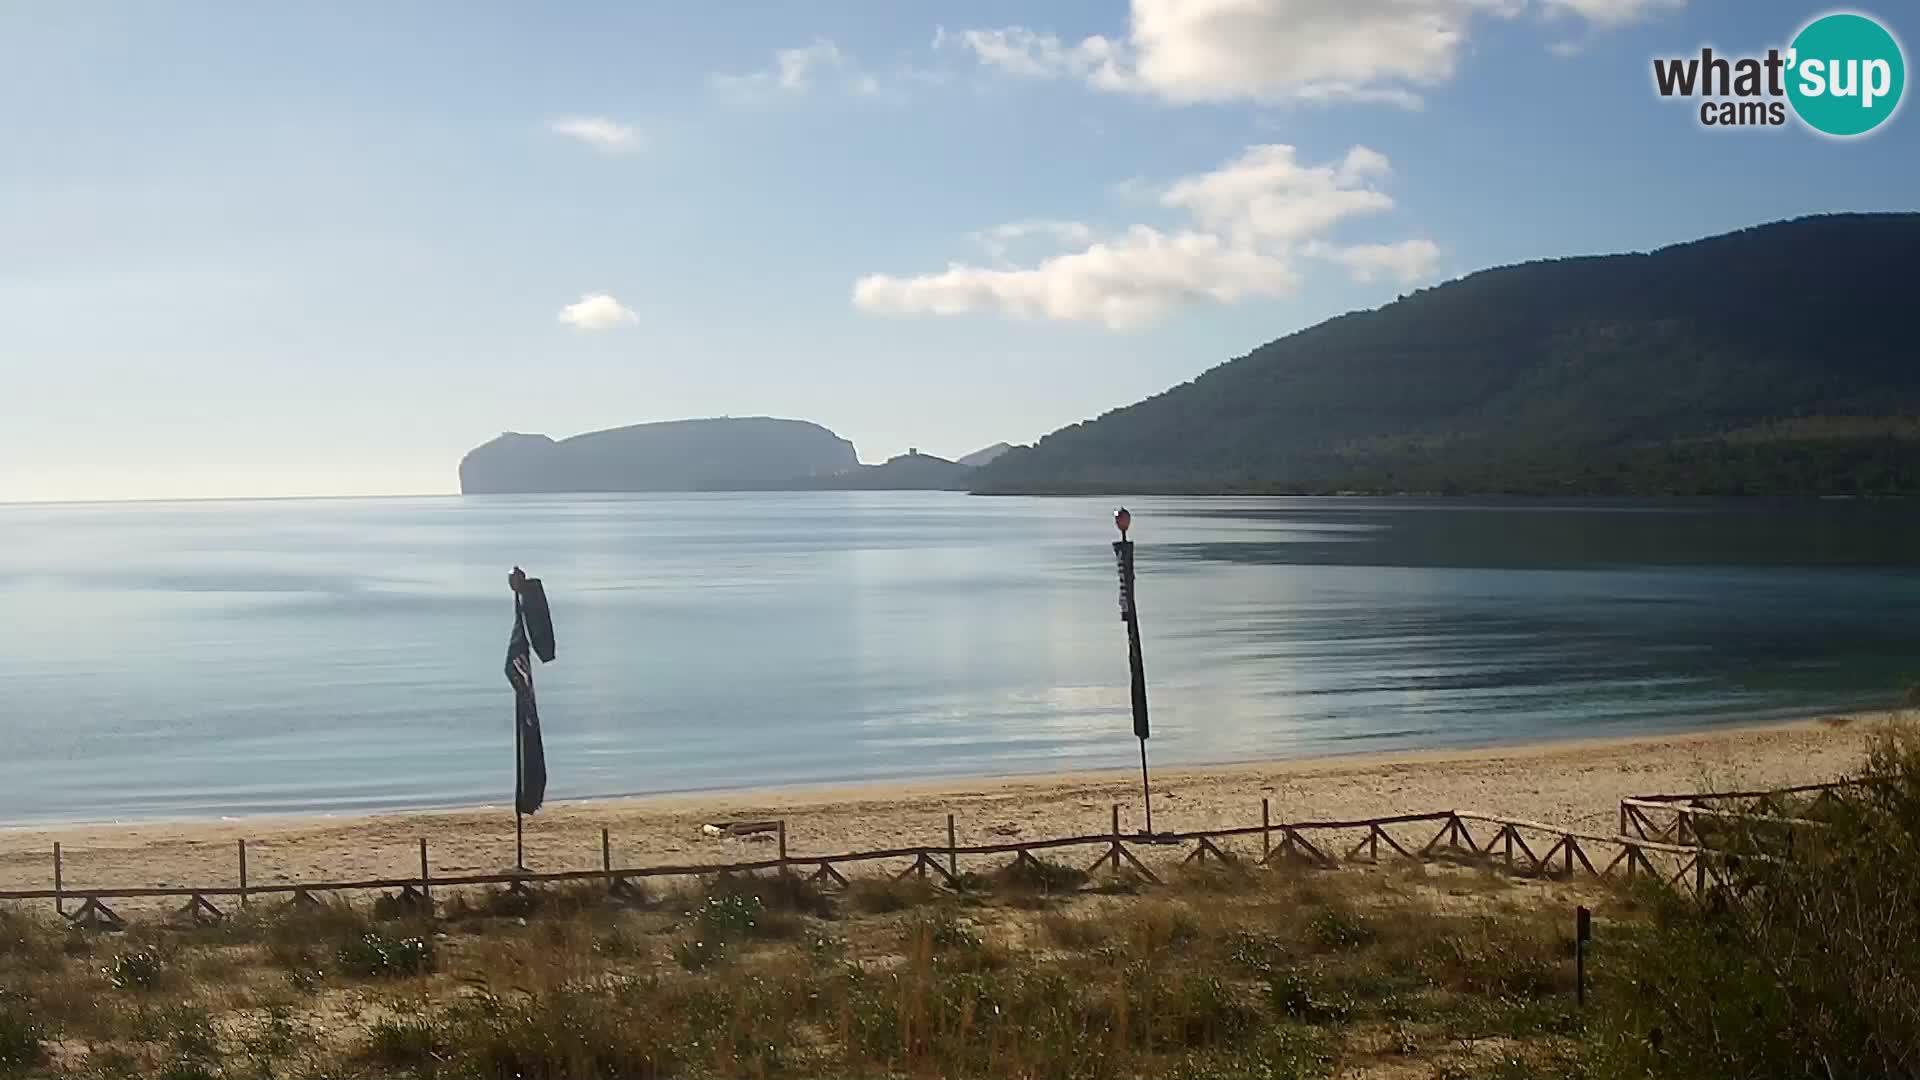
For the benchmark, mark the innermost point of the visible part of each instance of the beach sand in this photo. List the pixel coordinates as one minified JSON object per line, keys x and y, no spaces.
{"x":1573,"y":783}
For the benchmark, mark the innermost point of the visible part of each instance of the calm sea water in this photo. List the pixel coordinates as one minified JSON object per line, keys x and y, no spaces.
{"x":231,"y":658}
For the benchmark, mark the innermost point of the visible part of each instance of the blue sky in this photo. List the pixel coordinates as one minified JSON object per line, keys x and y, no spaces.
{"x":325,"y":249}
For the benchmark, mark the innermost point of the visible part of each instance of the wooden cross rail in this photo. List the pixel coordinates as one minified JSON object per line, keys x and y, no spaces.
{"x":1797,"y":789}
{"x":1730,"y":815}
{"x":1685,"y":825}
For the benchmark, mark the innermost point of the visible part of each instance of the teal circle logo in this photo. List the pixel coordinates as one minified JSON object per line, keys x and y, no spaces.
{"x":1846,"y":74}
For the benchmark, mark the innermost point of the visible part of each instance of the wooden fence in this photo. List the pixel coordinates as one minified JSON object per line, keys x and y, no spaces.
{"x":1516,"y":846}
{"x":1776,"y":816}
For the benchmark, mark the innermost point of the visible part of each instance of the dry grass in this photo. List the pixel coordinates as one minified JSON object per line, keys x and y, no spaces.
{"x":1223,"y":971}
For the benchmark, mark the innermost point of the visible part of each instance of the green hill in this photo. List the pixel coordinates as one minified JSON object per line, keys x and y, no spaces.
{"x":1777,"y":359}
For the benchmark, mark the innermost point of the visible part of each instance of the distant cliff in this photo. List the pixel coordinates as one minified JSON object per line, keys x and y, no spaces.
{"x":743,"y":454}
{"x":909,"y":472}
{"x":985,"y":455}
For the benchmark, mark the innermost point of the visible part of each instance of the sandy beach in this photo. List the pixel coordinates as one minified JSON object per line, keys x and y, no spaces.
{"x":1577,"y":783}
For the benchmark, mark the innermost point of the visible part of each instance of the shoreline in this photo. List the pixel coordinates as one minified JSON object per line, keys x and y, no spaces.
{"x":1571,"y":782}
{"x":810,"y":793}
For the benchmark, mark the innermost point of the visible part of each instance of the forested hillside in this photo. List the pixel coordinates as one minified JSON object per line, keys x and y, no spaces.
{"x":1778,"y":359}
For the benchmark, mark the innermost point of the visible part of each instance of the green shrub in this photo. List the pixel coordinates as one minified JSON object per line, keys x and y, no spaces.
{"x":949,"y":933}
{"x":190,"y":1033}
{"x":21,"y":1039}
{"x":698,"y":954}
{"x":29,"y":942}
{"x":1211,"y":1013}
{"x":785,"y":892}
{"x":406,"y":1040}
{"x":1253,"y":952}
{"x":1041,"y":876}
{"x":275,"y":1037}
{"x":141,"y":969}
{"x":1341,"y":929}
{"x":1812,"y":973}
{"x":374,"y":955}
{"x":883,"y":894}
{"x":1497,"y":958}
{"x":730,"y":917}
{"x":619,"y":943}
{"x":562,"y":1034}
{"x":1301,"y":997}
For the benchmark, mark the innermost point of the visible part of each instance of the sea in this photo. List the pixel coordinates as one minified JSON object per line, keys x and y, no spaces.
{"x":219,"y":659}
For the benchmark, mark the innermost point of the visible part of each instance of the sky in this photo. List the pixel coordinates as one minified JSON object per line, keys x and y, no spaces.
{"x":277,"y":250}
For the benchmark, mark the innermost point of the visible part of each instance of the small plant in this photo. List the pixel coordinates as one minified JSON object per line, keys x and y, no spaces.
{"x":139,"y":970}
{"x":1405,"y":1039}
{"x":619,"y":943}
{"x":187,"y":1069}
{"x":405,"y":1040}
{"x":1253,"y":952}
{"x":881,"y":895}
{"x":375,"y":956}
{"x":1340,"y":929}
{"x":1042,"y":876}
{"x":699,"y":954}
{"x":1073,"y":931}
{"x":1210,"y":1013}
{"x":275,"y":1038}
{"x":825,"y":948}
{"x":951,"y":933}
{"x":1297,"y":996}
{"x":785,"y":892}
{"x":306,"y":980}
{"x":29,"y":942}
{"x":20,"y":1040}
{"x":729,"y":917}
{"x":191,"y":1034}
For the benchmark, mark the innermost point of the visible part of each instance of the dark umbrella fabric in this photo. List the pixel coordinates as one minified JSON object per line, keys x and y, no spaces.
{"x":532,"y":625}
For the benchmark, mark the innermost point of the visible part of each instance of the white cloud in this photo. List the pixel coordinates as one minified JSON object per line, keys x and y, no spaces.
{"x":1409,"y":261}
{"x":609,"y":136}
{"x":1125,"y":283}
{"x":819,"y":64}
{"x":597,"y":311}
{"x":1266,"y":194}
{"x":1249,"y":221}
{"x":1275,"y":51}
{"x":1608,"y":14}
{"x":1020,"y":51}
{"x":796,"y":67}
{"x":1062,"y":233}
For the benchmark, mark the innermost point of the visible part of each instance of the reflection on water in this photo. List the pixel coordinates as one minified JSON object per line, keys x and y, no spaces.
{"x":213,"y":658}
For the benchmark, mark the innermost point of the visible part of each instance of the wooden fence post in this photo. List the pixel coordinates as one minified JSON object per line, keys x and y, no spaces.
{"x":426,"y":880}
{"x":606,"y":856}
{"x":783,"y":844}
{"x":953,"y":843}
{"x":242,"y":842}
{"x":59,"y":901}
{"x":1582,"y":933}
{"x":1266,"y":829}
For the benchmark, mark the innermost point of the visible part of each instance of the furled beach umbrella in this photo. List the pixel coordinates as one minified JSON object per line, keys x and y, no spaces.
{"x":532,"y":636}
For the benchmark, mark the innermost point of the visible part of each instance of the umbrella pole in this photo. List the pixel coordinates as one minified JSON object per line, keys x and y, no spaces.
{"x":519,"y":820}
{"x":1146,"y":793}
